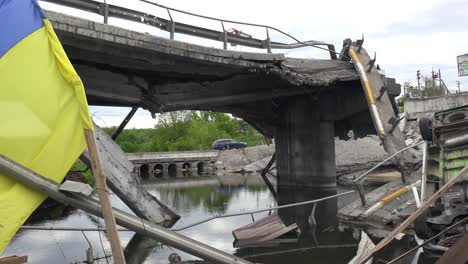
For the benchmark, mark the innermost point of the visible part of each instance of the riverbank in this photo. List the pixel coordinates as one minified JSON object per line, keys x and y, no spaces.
{"x":353,"y":157}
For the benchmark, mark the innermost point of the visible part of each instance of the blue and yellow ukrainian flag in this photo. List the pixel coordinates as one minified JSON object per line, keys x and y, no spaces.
{"x":43,"y":108}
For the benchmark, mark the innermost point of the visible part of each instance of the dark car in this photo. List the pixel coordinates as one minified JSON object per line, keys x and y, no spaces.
{"x":222,"y":144}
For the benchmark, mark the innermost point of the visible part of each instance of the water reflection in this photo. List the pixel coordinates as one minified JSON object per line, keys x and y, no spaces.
{"x":139,"y":248}
{"x":320,"y":216}
{"x":196,"y":199}
{"x":213,"y":195}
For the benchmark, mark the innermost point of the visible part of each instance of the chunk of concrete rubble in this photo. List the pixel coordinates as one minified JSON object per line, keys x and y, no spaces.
{"x":236,"y":159}
{"x":353,"y":157}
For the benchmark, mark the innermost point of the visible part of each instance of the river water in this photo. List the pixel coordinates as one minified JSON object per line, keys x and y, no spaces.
{"x":196,"y":199}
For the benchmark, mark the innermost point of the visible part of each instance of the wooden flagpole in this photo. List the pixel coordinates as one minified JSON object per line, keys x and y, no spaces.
{"x":106,"y":206}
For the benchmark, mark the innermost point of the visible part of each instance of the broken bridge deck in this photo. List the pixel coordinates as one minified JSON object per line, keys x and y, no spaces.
{"x":390,"y":215}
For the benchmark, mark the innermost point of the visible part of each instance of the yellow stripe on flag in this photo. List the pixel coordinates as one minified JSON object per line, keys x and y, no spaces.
{"x":44,"y":111}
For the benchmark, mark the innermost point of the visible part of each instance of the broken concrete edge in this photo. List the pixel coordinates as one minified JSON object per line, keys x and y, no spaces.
{"x":352,"y":213}
{"x":303,"y":72}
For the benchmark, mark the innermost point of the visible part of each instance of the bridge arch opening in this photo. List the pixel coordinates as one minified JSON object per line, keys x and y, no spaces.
{"x":158,"y":170}
{"x":145,"y":171}
{"x":172,"y":170}
{"x":201,"y":168}
{"x":186,"y":169}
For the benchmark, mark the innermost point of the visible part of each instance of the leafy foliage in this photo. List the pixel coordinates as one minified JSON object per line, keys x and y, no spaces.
{"x":187,"y":130}
{"x":428,"y":88}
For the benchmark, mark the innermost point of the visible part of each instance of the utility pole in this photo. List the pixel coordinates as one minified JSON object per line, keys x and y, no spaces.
{"x":458,"y":86}
{"x":434,"y":77}
{"x":440,"y":80}
{"x":418,"y":75}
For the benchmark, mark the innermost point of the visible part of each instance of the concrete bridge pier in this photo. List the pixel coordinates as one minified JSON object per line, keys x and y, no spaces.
{"x":165,"y":171}
{"x":194,"y":168}
{"x":306,"y":159}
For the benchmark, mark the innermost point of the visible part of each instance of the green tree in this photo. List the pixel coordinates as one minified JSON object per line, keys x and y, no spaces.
{"x":187,"y":130}
{"x":431,"y":88}
{"x":410,"y":90}
{"x":428,"y":88}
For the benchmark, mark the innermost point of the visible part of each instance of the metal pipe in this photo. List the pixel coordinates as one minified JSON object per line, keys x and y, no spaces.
{"x":382,"y":202}
{"x":368,"y":92}
{"x":138,"y":225}
{"x":106,"y":12}
{"x":424,"y":173}
{"x":456,"y":140}
{"x":362,"y":195}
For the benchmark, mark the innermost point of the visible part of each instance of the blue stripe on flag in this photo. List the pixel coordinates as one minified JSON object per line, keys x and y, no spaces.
{"x":18,"y":19}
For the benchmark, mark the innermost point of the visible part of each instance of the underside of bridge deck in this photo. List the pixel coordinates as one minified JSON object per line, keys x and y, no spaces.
{"x":120,"y":67}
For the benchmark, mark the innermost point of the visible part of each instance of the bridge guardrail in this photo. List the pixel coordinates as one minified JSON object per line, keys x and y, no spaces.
{"x":171,"y":26}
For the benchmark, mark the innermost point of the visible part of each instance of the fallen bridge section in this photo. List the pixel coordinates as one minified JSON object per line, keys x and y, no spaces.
{"x":121,"y":67}
{"x":121,"y":179}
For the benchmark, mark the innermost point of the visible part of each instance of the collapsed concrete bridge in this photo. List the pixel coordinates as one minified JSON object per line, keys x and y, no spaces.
{"x":302,"y":103}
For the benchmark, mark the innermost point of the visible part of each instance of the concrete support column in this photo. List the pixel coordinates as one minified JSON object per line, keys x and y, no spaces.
{"x":305,"y":151}
{"x":179,"y":173}
{"x":151,"y":171}
{"x":193,"y":168}
{"x":165,"y":170}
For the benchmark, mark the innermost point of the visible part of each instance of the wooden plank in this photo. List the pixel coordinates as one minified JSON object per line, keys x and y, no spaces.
{"x":238,"y":233}
{"x":265,"y":229}
{"x":259,"y":230}
{"x":258,"y":222}
{"x":280,"y":232}
{"x":14,"y":259}
{"x":265,"y":244}
{"x":106,"y":207}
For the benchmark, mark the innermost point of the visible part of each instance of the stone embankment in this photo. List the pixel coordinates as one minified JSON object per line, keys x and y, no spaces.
{"x":236,"y":160}
{"x":353,"y":157}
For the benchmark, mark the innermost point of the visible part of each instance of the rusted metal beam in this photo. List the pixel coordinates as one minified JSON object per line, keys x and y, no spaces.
{"x":266,"y":170}
{"x":124,"y":123}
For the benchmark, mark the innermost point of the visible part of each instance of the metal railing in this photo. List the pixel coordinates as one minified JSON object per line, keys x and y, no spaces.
{"x":171,"y":26}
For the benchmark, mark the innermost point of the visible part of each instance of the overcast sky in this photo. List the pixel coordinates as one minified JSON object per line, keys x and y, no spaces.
{"x":407,"y":35}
